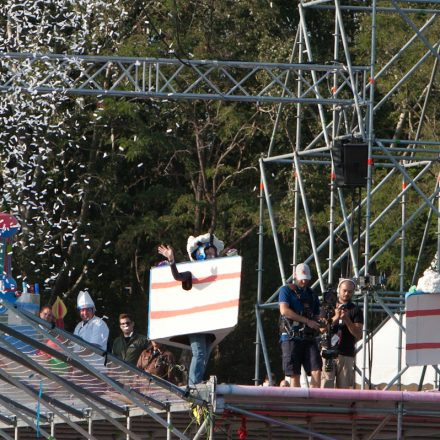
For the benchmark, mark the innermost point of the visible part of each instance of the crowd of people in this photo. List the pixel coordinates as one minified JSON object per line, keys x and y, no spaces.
{"x":135,"y":348}
{"x":302,"y":326}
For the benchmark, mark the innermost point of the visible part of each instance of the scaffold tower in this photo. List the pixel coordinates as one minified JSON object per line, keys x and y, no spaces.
{"x":396,"y":154}
{"x":346,"y":95}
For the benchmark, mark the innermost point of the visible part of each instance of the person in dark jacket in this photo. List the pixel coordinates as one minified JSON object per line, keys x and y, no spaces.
{"x":347,"y":328}
{"x":159,"y":361}
{"x":129,"y":345}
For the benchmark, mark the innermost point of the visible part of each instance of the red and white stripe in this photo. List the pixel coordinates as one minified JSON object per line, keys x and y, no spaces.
{"x":211,"y":305}
{"x":423,"y":329}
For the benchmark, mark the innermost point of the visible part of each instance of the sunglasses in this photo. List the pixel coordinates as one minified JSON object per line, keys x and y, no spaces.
{"x":125,"y":323}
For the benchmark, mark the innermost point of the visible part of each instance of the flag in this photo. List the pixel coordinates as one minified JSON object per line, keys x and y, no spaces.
{"x":59,"y":311}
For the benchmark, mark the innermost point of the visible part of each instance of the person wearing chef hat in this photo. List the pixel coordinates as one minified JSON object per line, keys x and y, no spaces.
{"x":91,"y":328}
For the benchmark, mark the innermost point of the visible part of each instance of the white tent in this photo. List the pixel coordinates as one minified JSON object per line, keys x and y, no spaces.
{"x":384,"y":349}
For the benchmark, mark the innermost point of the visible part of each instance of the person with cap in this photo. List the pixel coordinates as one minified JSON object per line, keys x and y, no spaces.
{"x":347,"y":327}
{"x":203,"y":247}
{"x":299,"y":310}
{"x":129,"y":345}
{"x":91,"y":328}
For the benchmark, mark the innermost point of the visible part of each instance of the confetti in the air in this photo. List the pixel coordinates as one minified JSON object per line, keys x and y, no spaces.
{"x":41,"y":183}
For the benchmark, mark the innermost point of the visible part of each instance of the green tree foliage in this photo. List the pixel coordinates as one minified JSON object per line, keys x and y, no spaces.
{"x":98,"y":183}
{"x":400,"y":118}
{"x":101,"y":182}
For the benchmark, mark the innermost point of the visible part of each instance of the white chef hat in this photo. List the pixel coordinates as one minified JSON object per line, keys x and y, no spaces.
{"x":84,"y":300}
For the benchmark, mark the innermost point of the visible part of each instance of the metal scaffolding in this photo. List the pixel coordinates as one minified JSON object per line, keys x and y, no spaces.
{"x":71,"y":382}
{"x":49,"y":376}
{"x":388,"y":159}
{"x":278,"y":412}
{"x":161,"y":78}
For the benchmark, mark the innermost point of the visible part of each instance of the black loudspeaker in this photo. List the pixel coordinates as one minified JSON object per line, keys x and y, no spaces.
{"x":350,"y":159}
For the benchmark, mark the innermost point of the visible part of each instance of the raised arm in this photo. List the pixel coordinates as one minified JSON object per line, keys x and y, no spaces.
{"x":184,"y":277}
{"x":167,"y":252}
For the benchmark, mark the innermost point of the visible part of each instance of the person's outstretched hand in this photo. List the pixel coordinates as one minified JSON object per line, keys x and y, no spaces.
{"x":167,"y":252}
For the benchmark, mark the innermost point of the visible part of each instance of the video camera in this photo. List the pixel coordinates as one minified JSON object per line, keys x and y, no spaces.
{"x":329,"y":349}
{"x":329,"y":301}
{"x":297,"y":330}
{"x":370,"y":282}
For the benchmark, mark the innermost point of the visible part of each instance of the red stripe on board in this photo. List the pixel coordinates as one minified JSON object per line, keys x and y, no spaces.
{"x":415,"y":313}
{"x":208,"y":307}
{"x":423,"y":345}
{"x":210,"y":279}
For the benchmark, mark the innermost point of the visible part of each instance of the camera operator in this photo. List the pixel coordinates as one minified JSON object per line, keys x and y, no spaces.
{"x":299,"y":310}
{"x":347,"y":325}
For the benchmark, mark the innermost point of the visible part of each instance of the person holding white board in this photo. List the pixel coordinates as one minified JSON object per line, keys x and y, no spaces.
{"x":199,"y":248}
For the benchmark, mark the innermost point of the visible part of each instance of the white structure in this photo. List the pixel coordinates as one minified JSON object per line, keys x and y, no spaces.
{"x":211,"y":306}
{"x":384,"y":351}
{"x":423,"y":328}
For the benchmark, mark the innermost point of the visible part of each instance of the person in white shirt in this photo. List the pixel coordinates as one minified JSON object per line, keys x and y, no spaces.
{"x":91,"y":328}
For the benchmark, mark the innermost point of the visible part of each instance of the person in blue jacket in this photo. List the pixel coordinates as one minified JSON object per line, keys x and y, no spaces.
{"x":299,"y":327}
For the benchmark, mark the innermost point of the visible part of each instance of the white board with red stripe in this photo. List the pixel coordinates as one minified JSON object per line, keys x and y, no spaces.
{"x":211,"y":306}
{"x":422,"y":328}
